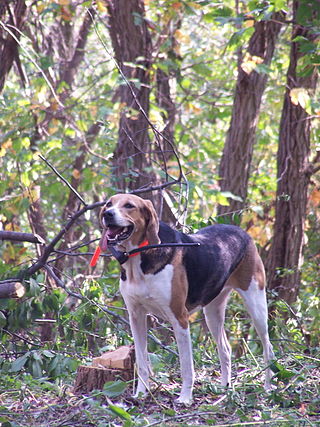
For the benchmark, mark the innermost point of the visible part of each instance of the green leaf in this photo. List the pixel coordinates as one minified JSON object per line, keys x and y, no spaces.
{"x":281,"y":372}
{"x":54,"y":143}
{"x":48,"y":353}
{"x":120,"y":412}
{"x":170,"y":412}
{"x":240,"y":37}
{"x":114,"y":388}
{"x":25,"y":179}
{"x":36,"y":355}
{"x":19,"y":363}
{"x":280,"y":5}
{"x":231,"y":196}
{"x":4,"y":422}
{"x":36,"y":369}
{"x":203,"y":70}
{"x":34,"y":288}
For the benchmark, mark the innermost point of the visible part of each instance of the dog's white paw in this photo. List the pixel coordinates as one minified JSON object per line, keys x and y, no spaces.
{"x":140,"y":394}
{"x":268,"y":388}
{"x":184,"y":400}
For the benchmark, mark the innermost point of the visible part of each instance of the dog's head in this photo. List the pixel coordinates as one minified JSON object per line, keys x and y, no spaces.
{"x":128,"y":218}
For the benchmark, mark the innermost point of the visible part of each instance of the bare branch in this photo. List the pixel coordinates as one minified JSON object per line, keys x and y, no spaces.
{"x":49,"y":249}
{"x":16,"y":236}
{"x":41,"y":262}
{"x":63,"y":179}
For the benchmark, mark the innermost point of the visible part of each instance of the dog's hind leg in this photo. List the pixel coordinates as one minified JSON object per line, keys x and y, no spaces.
{"x":215,"y":314}
{"x":256,"y":303}
{"x":186,"y":361}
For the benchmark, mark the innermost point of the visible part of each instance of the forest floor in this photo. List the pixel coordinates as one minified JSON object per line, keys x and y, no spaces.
{"x":295,"y":401}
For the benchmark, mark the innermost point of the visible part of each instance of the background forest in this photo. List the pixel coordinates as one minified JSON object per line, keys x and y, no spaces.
{"x":209,"y":109}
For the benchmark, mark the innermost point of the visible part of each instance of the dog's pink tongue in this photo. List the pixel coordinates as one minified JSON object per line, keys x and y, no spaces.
{"x":109,"y":234}
{"x":104,"y":241}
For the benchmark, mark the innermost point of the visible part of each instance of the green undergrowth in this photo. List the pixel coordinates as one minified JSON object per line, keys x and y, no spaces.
{"x":26,"y":401}
{"x":37,"y":376}
{"x":36,"y":386}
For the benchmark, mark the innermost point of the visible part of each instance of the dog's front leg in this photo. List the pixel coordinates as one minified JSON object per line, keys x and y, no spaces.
{"x":138,"y":324}
{"x":186,"y":362}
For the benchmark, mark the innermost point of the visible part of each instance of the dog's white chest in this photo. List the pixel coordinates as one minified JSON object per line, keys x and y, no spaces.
{"x":151,"y":291}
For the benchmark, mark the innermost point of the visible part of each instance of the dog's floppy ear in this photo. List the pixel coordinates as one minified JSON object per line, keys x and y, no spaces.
{"x":152,"y":226}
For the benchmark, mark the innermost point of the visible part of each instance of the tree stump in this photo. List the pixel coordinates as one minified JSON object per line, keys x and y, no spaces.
{"x":110,"y":366}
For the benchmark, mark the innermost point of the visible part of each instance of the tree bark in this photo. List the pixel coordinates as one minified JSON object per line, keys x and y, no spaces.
{"x":110,"y":366}
{"x":237,"y":154}
{"x":132,"y":47}
{"x":164,"y":151}
{"x":8,"y":45}
{"x":17,"y":236}
{"x":93,"y":378}
{"x":286,"y":253}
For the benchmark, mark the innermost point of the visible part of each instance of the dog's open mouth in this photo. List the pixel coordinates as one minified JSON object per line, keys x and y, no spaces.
{"x":114,"y":234}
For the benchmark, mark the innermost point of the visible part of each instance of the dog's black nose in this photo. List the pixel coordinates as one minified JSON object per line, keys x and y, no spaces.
{"x":108,"y":215}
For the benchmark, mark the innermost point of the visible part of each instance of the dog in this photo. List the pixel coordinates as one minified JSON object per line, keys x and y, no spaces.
{"x":172,"y":282}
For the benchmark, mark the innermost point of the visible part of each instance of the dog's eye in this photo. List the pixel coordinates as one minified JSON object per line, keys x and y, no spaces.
{"x":108,"y":205}
{"x":129,"y":206}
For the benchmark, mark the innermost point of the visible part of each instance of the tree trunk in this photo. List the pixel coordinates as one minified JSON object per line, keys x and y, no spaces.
{"x":286,"y":253}
{"x":132,"y":47}
{"x":8,"y":46}
{"x":164,"y":150}
{"x":237,"y":154}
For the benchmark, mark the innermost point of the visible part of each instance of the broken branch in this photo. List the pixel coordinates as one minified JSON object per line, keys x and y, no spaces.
{"x":12,"y":290}
{"x":16,"y":236}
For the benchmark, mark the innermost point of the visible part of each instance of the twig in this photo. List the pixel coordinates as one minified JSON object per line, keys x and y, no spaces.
{"x":251,"y":354}
{"x":63,"y":179}
{"x":13,"y":334}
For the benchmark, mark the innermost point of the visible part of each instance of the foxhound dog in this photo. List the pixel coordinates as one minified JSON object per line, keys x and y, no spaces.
{"x":172,"y":282}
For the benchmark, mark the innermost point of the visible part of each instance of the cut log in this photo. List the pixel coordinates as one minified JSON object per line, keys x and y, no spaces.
{"x":111,"y":366}
{"x":121,"y":358}
{"x":12,"y":290}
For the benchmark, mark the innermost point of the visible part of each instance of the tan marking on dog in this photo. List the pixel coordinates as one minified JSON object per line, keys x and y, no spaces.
{"x":179,"y":291}
{"x":251,"y":266}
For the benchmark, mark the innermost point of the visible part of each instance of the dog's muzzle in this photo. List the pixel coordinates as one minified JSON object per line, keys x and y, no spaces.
{"x":115,"y":231}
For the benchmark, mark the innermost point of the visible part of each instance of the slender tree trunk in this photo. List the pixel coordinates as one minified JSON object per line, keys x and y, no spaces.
{"x":286,"y":254}
{"x":8,"y":45}
{"x":132,"y":46}
{"x":237,"y":154}
{"x":165,"y":151}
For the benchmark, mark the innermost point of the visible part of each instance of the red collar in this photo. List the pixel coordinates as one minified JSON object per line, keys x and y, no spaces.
{"x":144,"y":243}
{"x":97,"y":253}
